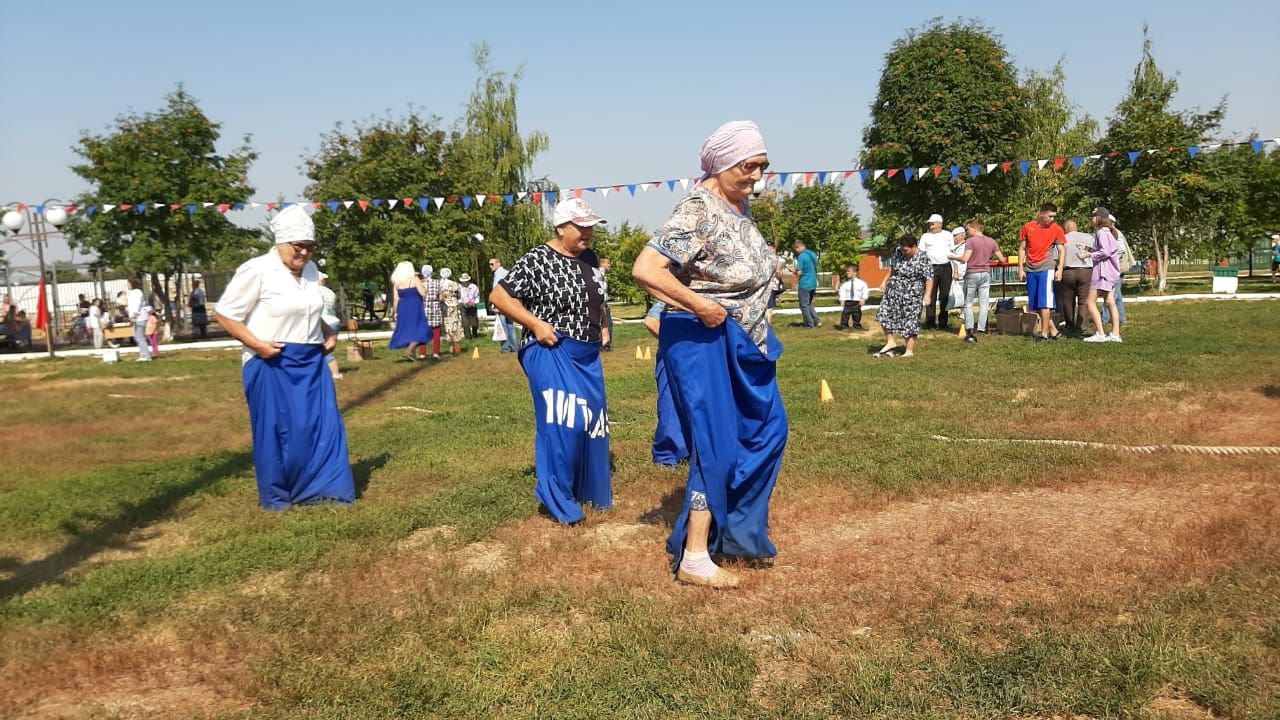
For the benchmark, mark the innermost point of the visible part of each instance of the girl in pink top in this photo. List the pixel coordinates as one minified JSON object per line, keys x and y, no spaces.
{"x":1106,"y":273}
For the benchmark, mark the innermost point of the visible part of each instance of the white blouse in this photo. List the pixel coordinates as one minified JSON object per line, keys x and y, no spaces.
{"x":273,"y":304}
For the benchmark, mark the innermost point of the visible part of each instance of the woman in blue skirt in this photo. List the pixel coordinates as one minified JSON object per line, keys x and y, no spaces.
{"x":556,"y":292}
{"x":411,"y":322}
{"x":273,"y":307}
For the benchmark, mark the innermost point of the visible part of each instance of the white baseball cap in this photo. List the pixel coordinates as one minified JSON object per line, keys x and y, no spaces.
{"x":935,"y":218}
{"x":957,"y":230}
{"x":576,"y":211}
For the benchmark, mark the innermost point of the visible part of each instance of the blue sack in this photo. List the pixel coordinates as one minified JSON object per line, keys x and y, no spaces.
{"x":299,"y":442}
{"x":669,"y":445}
{"x":571,"y":442}
{"x":726,"y":395}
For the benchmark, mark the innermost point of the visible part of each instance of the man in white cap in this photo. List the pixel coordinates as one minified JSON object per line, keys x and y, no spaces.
{"x":274,"y":307}
{"x":937,"y":245}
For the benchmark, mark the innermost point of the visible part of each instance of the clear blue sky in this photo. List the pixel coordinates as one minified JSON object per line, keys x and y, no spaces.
{"x":626,"y":90}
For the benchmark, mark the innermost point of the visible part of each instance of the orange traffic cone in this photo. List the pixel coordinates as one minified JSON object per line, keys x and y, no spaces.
{"x":962,"y":333}
{"x":824,"y":393}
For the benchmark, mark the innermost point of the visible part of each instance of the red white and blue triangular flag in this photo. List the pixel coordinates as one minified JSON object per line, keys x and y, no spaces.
{"x":438,"y":201}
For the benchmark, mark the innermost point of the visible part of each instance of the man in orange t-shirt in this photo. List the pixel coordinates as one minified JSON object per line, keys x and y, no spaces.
{"x":1040,"y":265}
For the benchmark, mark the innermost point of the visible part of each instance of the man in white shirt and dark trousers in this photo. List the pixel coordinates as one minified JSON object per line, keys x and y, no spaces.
{"x":852,"y":293}
{"x":936,"y":244}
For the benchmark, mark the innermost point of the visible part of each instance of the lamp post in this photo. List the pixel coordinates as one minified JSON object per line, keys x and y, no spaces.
{"x":54,"y":214}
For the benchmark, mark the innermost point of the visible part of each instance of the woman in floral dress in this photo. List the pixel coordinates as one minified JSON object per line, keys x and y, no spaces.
{"x":452,"y":311}
{"x":904,"y":290}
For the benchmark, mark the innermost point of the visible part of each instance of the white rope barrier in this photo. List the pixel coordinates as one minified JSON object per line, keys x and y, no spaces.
{"x":1220,"y":450}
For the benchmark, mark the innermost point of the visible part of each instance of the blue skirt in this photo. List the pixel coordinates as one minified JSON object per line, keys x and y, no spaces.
{"x":299,"y":443}
{"x":669,"y":446}
{"x":726,"y":396}
{"x":411,"y":321}
{"x":571,"y":440}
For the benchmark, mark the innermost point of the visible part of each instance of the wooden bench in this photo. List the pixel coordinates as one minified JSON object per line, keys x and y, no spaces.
{"x":122,"y":331}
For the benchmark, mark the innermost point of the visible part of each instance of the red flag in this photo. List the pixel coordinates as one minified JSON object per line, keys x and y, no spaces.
{"x":937,"y":170}
{"x":42,"y":313}
{"x":364,"y":205}
{"x":1006,"y":165}
{"x":1057,"y":163}
{"x":406,"y":202}
{"x":223,"y":207}
{"x":892,"y":171}
{"x":577,"y":192}
{"x":125,"y":206}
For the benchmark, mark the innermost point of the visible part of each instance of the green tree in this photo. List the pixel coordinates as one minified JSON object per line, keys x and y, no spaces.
{"x":621,"y":245}
{"x":948,"y":94}
{"x":764,"y":209}
{"x":1160,"y":198}
{"x":819,"y":216}
{"x":393,"y":159}
{"x":1054,"y":129}
{"x":155,"y":160}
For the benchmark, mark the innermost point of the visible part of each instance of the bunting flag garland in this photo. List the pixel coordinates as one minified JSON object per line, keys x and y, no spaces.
{"x":798,"y":178}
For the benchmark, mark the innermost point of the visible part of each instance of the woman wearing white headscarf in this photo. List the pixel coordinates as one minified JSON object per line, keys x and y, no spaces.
{"x":711,"y":265}
{"x":274,"y":307}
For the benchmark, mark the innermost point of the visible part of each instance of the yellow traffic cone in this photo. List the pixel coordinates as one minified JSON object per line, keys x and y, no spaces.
{"x":639,"y":355}
{"x":475,"y":353}
{"x":961,"y":333}
{"x":824,"y":393}
{"x":647,"y":354}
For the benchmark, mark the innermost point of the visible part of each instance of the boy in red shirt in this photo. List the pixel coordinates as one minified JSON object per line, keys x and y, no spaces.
{"x":1040,"y":265}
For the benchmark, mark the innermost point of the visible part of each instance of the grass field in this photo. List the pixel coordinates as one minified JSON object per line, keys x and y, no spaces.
{"x":915,"y":578}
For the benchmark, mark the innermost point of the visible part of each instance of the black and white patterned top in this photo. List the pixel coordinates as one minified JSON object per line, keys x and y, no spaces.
{"x":564,"y":291}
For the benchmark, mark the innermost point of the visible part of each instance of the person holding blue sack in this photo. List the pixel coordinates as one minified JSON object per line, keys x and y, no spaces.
{"x":273,"y":306}
{"x":556,"y":292}
{"x":713,"y":268}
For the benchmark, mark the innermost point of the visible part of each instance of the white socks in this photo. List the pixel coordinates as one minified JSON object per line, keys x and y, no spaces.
{"x":699,"y":564}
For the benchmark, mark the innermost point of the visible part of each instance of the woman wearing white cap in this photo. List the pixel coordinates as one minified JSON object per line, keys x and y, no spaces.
{"x":555,"y":292}
{"x":710,"y":264}
{"x":273,"y":306}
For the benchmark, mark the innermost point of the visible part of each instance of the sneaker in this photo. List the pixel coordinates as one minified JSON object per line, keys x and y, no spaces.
{"x":1114,"y":338}
{"x":1041,"y":338}
{"x":970,"y":338}
{"x":1096,"y":337}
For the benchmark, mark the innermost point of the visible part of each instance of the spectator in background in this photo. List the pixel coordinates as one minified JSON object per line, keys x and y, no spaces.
{"x":852,"y":293}
{"x":469,"y":299}
{"x":329,"y":316}
{"x":138,"y":311}
{"x":21,"y":332}
{"x":452,"y":331}
{"x":936,"y":245}
{"x":1077,"y":274}
{"x":1126,"y":262}
{"x":508,"y":344}
{"x":1106,"y":273}
{"x":806,"y":272}
{"x":903,"y":290}
{"x":153,"y":332}
{"x":1038,"y":267}
{"x":978,"y":252}
{"x":97,"y":323}
{"x":1275,"y":256}
{"x":433,"y":310}
{"x":603,"y":271}
{"x":199,"y":314}
{"x":83,"y":305}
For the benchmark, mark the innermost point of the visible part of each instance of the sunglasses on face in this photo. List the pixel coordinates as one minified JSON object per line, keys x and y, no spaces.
{"x":749,"y":167}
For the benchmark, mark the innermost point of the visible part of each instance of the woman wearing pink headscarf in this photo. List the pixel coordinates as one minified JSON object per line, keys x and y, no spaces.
{"x":710,"y":264}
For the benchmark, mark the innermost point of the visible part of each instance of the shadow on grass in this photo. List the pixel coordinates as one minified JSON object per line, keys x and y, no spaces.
{"x":363,"y":471}
{"x":1270,"y":391}
{"x":112,"y":532}
{"x":666,"y":510}
{"x":377,"y":390}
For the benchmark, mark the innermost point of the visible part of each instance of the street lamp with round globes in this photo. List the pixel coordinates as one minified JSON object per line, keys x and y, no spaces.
{"x":14,"y":220}
{"x":55,"y":214}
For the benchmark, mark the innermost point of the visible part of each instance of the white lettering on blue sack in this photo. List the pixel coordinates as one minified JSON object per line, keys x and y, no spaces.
{"x":567,"y":408}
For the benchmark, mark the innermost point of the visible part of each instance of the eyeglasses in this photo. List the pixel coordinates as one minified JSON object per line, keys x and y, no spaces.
{"x":749,"y":168}
{"x":303,"y":247}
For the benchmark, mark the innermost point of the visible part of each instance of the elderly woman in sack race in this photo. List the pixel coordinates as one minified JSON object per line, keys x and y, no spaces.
{"x":715,"y":271}
{"x":273,"y":306}
{"x":556,"y":292}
